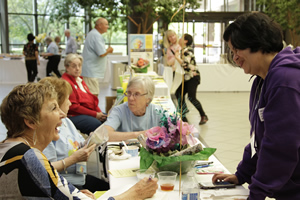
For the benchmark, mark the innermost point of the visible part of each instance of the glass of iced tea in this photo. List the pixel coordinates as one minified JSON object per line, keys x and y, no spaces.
{"x":166,"y":180}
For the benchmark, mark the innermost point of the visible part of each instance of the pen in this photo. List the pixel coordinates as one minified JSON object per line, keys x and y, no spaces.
{"x":204,"y":164}
{"x":150,"y":178}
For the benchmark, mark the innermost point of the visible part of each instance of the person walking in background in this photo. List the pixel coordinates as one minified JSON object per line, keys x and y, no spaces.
{"x":31,"y":53}
{"x":53,"y":56}
{"x":191,"y":77}
{"x":94,"y":56}
{"x":71,"y":46}
{"x":57,"y":41}
{"x":271,"y":161}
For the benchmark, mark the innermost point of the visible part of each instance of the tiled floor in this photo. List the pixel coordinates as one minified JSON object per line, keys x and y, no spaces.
{"x":227,"y":128}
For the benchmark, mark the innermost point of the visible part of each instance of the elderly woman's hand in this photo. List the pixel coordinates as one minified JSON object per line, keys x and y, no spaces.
{"x":101,"y":117}
{"x":88,"y":194}
{"x":145,"y":188}
{"x":140,"y":133}
{"x":83,"y":153}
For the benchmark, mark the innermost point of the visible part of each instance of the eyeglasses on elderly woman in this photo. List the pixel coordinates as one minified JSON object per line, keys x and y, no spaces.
{"x":134,"y":95}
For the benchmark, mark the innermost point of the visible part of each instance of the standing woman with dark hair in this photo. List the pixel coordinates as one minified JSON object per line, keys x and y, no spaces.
{"x":31,"y":53}
{"x":271,"y":161}
{"x":191,"y":77}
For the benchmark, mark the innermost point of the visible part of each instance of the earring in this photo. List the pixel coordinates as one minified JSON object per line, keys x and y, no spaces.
{"x":34,"y":138}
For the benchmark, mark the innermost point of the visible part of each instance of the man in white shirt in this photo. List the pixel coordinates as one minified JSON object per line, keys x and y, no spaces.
{"x":94,"y":56}
{"x":71,"y":46}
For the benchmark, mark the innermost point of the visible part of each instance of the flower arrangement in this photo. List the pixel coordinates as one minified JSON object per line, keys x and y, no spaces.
{"x":40,"y":38}
{"x":79,"y":38}
{"x":165,"y":139}
{"x":170,"y":143}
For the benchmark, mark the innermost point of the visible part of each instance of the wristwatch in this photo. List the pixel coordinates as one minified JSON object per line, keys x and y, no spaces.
{"x":111,"y":198}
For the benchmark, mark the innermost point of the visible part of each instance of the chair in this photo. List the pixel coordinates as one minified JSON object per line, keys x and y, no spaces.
{"x":97,"y":164}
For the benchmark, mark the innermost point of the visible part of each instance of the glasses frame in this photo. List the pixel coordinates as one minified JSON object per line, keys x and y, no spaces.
{"x":135,"y":95}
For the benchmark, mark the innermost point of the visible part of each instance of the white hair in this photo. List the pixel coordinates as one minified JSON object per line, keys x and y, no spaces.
{"x":143,"y":82}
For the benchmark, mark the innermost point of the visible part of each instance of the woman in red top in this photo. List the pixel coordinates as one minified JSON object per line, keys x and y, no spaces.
{"x":84,"y":111}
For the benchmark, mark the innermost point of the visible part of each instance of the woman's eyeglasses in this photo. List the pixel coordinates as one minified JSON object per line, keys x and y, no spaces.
{"x":134,"y":95}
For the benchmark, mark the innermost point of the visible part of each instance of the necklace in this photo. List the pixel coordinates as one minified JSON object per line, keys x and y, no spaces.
{"x":25,"y":141}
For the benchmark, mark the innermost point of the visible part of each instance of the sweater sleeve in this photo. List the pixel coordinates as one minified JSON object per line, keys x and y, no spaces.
{"x":48,"y":179}
{"x":278,"y":154}
{"x":246,"y":167}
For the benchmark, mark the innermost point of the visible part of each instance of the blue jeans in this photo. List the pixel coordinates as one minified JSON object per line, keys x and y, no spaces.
{"x":85,"y":123}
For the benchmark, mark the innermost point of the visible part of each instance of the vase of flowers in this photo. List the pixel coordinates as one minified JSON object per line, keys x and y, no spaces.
{"x":171,"y":143}
{"x":40,"y":39}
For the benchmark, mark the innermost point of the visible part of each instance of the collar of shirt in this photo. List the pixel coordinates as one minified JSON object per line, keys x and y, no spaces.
{"x":79,"y":82}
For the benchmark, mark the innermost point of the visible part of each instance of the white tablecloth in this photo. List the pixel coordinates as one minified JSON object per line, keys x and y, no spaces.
{"x":14,"y":71}
{"x":119,"y":185}
{"x":109,"y":66}
{"x":167,"y":73}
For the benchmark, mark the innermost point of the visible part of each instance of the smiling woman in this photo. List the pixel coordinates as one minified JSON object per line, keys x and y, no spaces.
{"x":256,"y":43}
{"x":132,"y":118}
{"x":32,"y":116}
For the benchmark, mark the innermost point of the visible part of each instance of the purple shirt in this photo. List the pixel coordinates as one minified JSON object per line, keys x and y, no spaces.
{"x":275,"y":120}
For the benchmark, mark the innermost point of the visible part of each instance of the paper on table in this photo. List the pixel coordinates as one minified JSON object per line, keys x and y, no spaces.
{"x":237,"y":193}
{"x":159,"y":195}
{"x":99,"y":194}
{"x":119,"y":173}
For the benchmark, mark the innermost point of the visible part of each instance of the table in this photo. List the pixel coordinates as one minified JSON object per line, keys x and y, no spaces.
{"x":14,"y":71}
{"x":165,"y":102}
{"x":119,"y":185}
{"x":215,"y":78}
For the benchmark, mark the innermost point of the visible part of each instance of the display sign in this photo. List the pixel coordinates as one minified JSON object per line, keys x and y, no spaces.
{"x":141,"y":52}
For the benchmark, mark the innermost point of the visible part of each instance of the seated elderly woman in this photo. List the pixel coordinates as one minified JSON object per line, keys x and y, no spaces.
{"x":132,"y":118}
{"x":67,"y":150}
{"x":84,"y":111}
{"x":32,"y":116}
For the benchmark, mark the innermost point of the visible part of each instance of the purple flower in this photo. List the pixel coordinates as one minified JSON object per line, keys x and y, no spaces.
{"x":157,"y":138}
{"x":155,"y":133}
{"x":167,"y":137}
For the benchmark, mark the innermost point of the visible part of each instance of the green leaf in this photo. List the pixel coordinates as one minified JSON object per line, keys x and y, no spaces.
{"x":147,"y":158}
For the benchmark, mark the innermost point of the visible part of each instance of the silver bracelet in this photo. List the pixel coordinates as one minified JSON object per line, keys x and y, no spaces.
{"x":63,"y":161}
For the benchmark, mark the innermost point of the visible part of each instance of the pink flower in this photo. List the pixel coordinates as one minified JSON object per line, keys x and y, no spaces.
{"x":155,"y":133}
{"x":186,"y":128}
{"x":158,"y":139}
